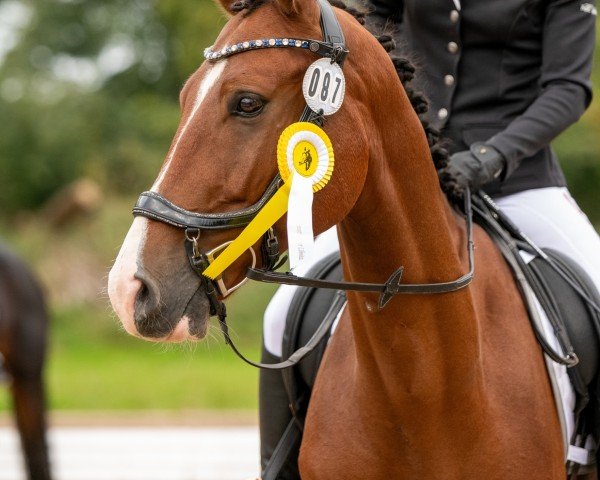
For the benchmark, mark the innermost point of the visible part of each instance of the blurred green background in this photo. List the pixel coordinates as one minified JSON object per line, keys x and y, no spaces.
{"x":89,"y":89}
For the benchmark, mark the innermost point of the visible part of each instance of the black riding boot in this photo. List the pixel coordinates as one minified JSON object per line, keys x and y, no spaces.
{"x":275,"y":416}
{"x":3,"y":374}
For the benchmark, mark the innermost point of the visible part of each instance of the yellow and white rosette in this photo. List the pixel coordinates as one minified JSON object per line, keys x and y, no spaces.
{"x":305,"y":160}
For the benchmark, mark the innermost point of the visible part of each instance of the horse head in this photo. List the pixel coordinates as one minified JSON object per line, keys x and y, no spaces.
{"x":224,"y":156}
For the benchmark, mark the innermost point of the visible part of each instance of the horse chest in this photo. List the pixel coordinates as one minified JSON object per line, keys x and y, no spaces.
{"x":354,"y":430}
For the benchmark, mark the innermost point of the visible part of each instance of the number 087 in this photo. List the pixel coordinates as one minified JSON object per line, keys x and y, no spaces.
{"x":325,"y":86}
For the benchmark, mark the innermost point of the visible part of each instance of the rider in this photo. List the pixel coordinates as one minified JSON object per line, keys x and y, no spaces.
{"x":504,"y":79}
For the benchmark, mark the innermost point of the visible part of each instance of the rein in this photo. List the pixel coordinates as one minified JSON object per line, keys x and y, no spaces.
{"x":156,"y":207}
{"x":388,"y":289}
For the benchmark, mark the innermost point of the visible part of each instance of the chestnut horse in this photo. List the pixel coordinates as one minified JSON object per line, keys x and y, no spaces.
{"x":23,"y":335}
{"x":448,"y":386}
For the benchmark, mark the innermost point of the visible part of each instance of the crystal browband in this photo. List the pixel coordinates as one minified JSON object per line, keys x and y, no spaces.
{"x":335,"y":52}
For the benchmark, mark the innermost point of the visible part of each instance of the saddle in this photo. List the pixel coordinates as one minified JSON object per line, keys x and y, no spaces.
{"x":565,"y":308}
{"x":575,"y":322}
{"x":556,"y":287}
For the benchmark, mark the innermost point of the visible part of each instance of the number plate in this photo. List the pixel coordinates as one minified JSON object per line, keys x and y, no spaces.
{"x":324,"y":86}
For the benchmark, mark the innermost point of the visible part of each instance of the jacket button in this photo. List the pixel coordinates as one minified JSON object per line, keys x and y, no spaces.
{"x":442,"y":114}
{"x":452,"y":47}
{"x":449,"y":80}
{"x":454,"y":16}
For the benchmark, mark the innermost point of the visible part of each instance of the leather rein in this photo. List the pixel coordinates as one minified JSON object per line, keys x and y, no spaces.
{"x":154,"y":206}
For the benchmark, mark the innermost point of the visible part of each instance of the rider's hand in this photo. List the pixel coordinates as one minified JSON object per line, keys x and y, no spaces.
{"x":477,"y":166}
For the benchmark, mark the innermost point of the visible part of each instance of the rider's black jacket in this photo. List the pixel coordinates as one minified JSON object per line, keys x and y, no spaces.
{"x":513,"y":73}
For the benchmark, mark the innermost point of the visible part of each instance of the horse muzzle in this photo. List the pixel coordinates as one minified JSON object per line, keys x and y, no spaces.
{"x":169,"y":311}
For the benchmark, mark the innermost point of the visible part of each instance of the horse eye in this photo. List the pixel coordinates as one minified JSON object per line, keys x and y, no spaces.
{"x":249,"y":106}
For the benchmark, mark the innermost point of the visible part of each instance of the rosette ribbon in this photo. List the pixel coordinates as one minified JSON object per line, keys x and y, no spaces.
{"x":305,"y":160}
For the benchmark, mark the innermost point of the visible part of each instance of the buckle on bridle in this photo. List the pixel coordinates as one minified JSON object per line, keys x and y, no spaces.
{"x":210,"y":257}
{"x":192,"y":235}
{"x":270,"y":249}
{"x":338,"y":54}
{"x":200,"y":261}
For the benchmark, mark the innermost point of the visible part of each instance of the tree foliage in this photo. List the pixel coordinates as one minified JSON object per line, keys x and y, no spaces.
{"x":91,"y":88}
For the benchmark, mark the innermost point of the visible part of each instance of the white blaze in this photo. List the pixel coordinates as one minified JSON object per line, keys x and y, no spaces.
{"x":122,"y":285}
{"x":214,"y":73}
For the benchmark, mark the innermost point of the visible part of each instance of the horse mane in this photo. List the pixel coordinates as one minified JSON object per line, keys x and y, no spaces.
{"x":406,"y":72}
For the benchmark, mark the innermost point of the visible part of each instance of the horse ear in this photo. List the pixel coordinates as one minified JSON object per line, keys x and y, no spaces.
{"x":231,"y":7}
{"x":295,"y":7}
{"x":289,"y":7}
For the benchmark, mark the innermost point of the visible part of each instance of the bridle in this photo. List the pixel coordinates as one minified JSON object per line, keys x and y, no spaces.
{"x":156,"y":207}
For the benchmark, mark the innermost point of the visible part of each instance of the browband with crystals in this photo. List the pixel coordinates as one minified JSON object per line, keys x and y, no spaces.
{"x":336,"y":52}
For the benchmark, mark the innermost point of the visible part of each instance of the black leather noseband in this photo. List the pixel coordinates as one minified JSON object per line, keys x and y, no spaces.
{"x":155,"y":206}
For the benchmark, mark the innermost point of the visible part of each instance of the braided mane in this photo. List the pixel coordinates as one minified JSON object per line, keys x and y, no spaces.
{"x":406,"y":72}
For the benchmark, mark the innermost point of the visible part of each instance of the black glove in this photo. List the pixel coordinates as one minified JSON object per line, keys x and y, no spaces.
{"x":477,"y":166}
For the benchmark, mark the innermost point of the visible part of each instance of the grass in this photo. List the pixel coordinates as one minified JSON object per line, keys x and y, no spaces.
{"x":93,"y":364}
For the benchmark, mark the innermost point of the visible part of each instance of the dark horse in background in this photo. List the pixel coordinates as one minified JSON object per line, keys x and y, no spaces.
{"x":23,"y":334}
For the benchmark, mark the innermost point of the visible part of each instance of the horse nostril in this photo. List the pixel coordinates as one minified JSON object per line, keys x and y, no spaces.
{"x":143,"y":295}
{"x":147,"y":309}
{"x":148,"y":297}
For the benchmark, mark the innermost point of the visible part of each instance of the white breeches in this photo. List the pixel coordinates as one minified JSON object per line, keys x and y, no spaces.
{"x":277,"y":310}
{"x":552,"y":219}
{"x":549,"y":216}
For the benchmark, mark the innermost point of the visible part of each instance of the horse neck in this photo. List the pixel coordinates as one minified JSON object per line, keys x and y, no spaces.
{"x":403,"y":219}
